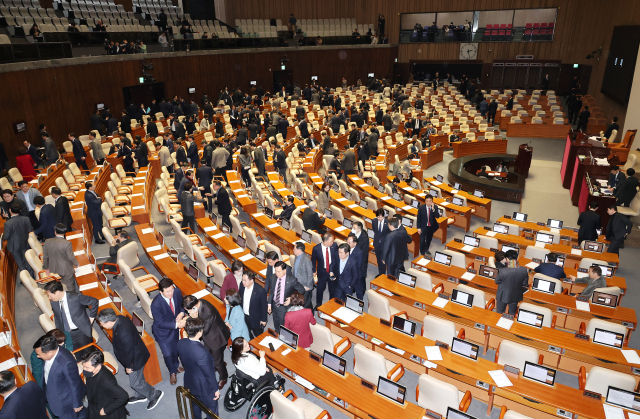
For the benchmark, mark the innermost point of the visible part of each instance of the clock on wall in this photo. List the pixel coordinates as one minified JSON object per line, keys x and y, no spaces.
{"x":468,"y":51}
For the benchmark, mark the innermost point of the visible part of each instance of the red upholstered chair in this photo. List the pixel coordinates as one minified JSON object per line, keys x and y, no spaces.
{"x":536,"y":26}
{"x":535,"y":34}
{"x":529,"y":26}
{"x":527,"y":35}
{"x":501,"y":35}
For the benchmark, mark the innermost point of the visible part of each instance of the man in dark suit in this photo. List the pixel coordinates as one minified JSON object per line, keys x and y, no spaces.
{"x":223,"y":203}
{"x":287,"y":209}
{"x":279,"y":292}
{"x":589,"y":222}
{"x":199,"y":376}
{"x":58,"y":258}
{"x":395,"y":250}
{"x":16,"y":233}
{"x":509,"y":105}
{"x":356,"y":245}
{"x":257,"y":315}
{"x":493,"y":109}
{"x":31,"y":150}
{"x":627,"y":189}
{"x":94,"y":212}
{"x":282,"y":127}
{"x":78,"y":152}
{"x":27,"y":401}
{"x":132,"y":353}
{"x":380,"y":227}
{"x":512,"y":281}
{"x":192,"y":152}
{"x":618,"y":228}
{"x":167,"y":322}
{"x":141,"y":153}
{"x":47,"y":218}
{"x":583,"y":119}
{"x":311,"y":219}
{"x":63,"y":211}
{"x":427,"y":224}
{"x":348,"y":271}
{"x":615,"y":177}
{"x":550,"y":268}
{"x":125,"y":123}
{"x":215,"y":334}
{"x":70,"y":313}
{"x":96,"y":121}
{"x":613,"y":126}
{"x":63,"y":387}
{"x":204,"y":175}
{"x":304,"y":128}
{"x":187,"y":206}
{"x":111,"y":123}
{"x":324,"y":261}
{"x":280,"y":162}
{"x":50,"y":149}
{"x":348,"y":163}
{"x":300,"y":112}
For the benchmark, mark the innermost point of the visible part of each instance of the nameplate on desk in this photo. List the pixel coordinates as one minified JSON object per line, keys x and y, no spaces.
{"x":582,"y":298}
{"x":627,"y":325}
{"x":581,"y":336}
{"x":507,"y":316}
{"x":562,"y":310}
{"x":592,"y":394}
{"x":385,"y":322}
{"x":493,"y":249}
{"x":272,"y":332}
{"x":457,"y":240}
{"x":453,"y":279}
{"x":442,"y":345}
{"x":507,"y":217}
{"x":444,"y":295}
{"x":367,"y":384}
{"x":479,"y":326}
{"x":315,"y":357}
{"x":432,"y":415}
{"x":511,"y":370}
{"x":536,"y":260}
{"x":563,"y":413}
{"x":541,"y":224}
{"x":487,"y":228}
{"x":575,"y":247}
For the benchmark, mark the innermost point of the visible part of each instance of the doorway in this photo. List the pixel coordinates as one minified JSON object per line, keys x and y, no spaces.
{"x":143,"y":93}
{"x":282,"y":78}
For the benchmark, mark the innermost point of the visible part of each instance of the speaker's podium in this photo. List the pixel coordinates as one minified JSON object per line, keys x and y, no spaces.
{"x":523,"y":161}
{"x":578,"y":145}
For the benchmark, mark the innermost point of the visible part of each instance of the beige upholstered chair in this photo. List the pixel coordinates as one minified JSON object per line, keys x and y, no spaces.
{"x":515,"y":354}
{"x":438,"y":396}
{"x":323,"y":340}
{"x":370,"y":365}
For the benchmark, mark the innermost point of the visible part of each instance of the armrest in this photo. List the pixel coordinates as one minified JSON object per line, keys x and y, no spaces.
{"x":323,"y":414}
{"x":540,"y":359}
{"x":461,"y":333}
{"x":582,"y":329}
{"x":466,"y":401}
{"x":565,"y":291}
{"x":187,"y":228}
{"x":339,"y":344}
{"x":393,"y":371}
{"x":439,"y":287}
{"x":553,"y":321}
{"x":140,"y":267}
{"x":503,"y":411}
{"x":582,"y":378}
{"x":402,"y":313}
{"x":117,"y":271}
{"x":417,"y":391}
{"x":491,"y":304}
{"x":246,"y":225}
{"x":290,"y":393}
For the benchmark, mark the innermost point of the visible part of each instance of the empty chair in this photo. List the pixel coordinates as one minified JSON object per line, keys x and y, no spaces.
{"x":516,"y":354}
{"x":283,"y":408}
{"x":594,"y":324}
{"x":438,"y":396}
{"x":599,"y":380}
{"x":379,"y":306}
{"x":548,"y":318}
{"x":370,"y":365}
{"x":442,"y":330}
{"x":479,"y":298}
{"x":323,"y":340}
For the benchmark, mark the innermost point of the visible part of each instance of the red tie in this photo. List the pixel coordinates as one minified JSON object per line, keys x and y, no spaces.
{"x":326,"y":260}
{"x":428,"y":216}
{"x":171,"y":305}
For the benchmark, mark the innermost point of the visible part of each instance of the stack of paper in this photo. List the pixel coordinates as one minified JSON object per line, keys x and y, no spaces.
{"x":422,"y":262}
{"x":504,"y":323}
{"x":245,"y":257}
{"x":440,"y":302}
{"x":272,"y":226}
{"x":433,"y":353}
{"x":490,"y":233}
{"x":236,"y":250}
{"x":270,"y":339}
{"x":345,"y":315}
{"x":387,"y":292}
{"x":160,"y":256}
{"x":396,"y":350}
{"x":500,"y":378}
{"x":201,"y":294}
{"x":467,"y":248}
{"x":77,"y":236}
{"x":138,"y":207}
{"x":631,"y":356}
{"x":104,"y":301}
{"x":468,"y":276}
{"x":532,"y":265}
{"x":84,"y":270}
{"x":147,"y":230}
{"x":78,"y":253}
{"x":305,"y":383}
{"x":218,"y":236}
{"x":612,"y":412}
{"x":153,"y":248}
{"x":210,"y":228}
{"x":263,"y":272}
{"x":89,"y":286}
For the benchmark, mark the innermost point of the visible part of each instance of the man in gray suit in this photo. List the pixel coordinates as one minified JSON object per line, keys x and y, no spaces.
{"x":512,"y":282}
{"x":27,"y":193}
{"x":348,"y":163}
{"x":165,"y":157}
{"x":96,"y":147}
{"x":70,"y":313}
{"x":16,"y":233}
{"x":280,"y":291}
{"x":303,"y":271}
{"x":58,"y":258}
{"x":219,"y":159}
{"x":50,"y":149}
{"x":187,"y":206}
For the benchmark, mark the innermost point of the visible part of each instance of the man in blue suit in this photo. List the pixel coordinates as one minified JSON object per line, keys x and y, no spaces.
{"x":324,"y":260}
{"x":62,"y":384}
{"x":256,"y":316}
{"x":348,"y":272}
{"x":25,"y":402}
{"x":47,"y":218}
{"x":550,"y":268}
{"x":167,"y":322}
{"x":78,"y":152}
{"x":200,"y":371}
{"x":94,"y":212}
{"x":362,"y":243}
{"x":380,"y":227}
{"x":355,"y":252}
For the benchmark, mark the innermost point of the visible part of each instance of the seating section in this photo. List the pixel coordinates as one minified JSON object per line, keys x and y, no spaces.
{"x":199,"y":27}
{"x":538,"y":31}
{"x":264,"y":28}
{"x":498,"y":32}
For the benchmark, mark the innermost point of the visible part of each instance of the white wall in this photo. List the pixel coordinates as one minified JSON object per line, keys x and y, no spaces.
{"x":494,"y":16}
{"x":632,"y":120}
{"x":409,"y":20}
{"x":524,"y":16}
{"x":457,"y":18}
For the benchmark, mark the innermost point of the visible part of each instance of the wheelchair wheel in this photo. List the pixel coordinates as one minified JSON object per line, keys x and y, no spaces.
{"x":232,"y":399}
{"x":260,"y":406}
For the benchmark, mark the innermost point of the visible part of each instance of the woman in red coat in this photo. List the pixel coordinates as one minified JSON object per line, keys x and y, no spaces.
{"x":299,"y":319}
{"x":25,"y":164}
{"x":233,"y":279}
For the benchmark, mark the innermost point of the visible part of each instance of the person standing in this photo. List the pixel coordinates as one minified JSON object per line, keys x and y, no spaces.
{"x":26,"y":401}
{"x":254,"y":304}
{"x":259,"y":159}
{"x":324,"y":262}
{"x":280,"y":162}
{"x":627,"y":189}
{"x":16,"y":233}
{"x":348,"y":272}
{"x":311,"y":220}
{"x":395,"y":250}
{"x":165,"y":157}
{"x":618,"y":228}
{"x":215,"y":333}
{"x":63,"y":211}
{"x":187,"y":206}
{"x":94,"y":212}
{"x":167,"y":323}
{"x":223,"y":203}
{"x":70,"y":313}
{"x":512,"y":281}
{"x":348,"y":163}
{"x":132,"y":353}
{"x":303,"y":271}
{"x":96,"y":147}
{"x":63,"y":387}
{"x":204,"y":176}
{"x":46,"y":218}
{"x":362,"y":243}
{"x":78,"y":152}
{"x":58,"y":258}
{"x":200,"y":366}
{"x":427,"y":223}
{"x":299,"y":320}
{"x":380,"y":227}
{"x":280,"y":291}
{"x":106,"y":399}
{"x":493,"y":109}
{"x":50,"y":150}
{"x":28,"y":194}
{"x":589,"y":222}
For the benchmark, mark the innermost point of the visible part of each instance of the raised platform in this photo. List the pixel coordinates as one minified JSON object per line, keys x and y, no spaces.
{"x":463,"y":169}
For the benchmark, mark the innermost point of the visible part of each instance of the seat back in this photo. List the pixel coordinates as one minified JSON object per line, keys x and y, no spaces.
{"x":145,"y":301}
{"x":129,"y":278}
{"x":35,"y":244}
{"x":129,"y":254}
{"x":321,"y":339}
{"x":587,"y":262}
{"x":219,"y":272}
{"x":479,"y":298}
{"x":29,"y":283}
{"x":488,"y":242}
{"x":252,"y":238}
{"x":296,"y":224}
{"x":599,"y":379}
{"x":436,"y":328}
{"x":336,"y":213}
{"x":42,"y":302}
{"x":536,"y":252}
{"x":378,"y":305}
{"x":33,"y":260}
{"x":515,"y":354}
{"x":604,"y":325}
{"x":546,"y":312}
{"x":46,"y":323}
{"x":457,"y":258}
{"x":284,"y":408}
{"x":369,"y":365}
{"x":423,"y":279}
{"x":437,"y":395}
{"x":558,"y":287}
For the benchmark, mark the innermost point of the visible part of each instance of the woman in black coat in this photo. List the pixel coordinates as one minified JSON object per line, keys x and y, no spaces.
{"x":107,"y":400}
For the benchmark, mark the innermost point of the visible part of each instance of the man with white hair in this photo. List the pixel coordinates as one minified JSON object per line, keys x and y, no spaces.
{"x":310,"y":218}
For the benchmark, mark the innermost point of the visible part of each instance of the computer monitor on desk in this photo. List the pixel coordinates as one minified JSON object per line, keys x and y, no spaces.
{"x":539,"y":373}
{"x":354,"y":304}
{"x":286,"y":224}
{"x":623,"y":398}
{"x":544,"y":238}
{"x":347,"y":223}
{"x":506,"y":247}
{"x":456,"y":414}
{"x":471,"y":241}
{"x":530,"y":318}
{"x":591,"y":246}
{"x":457,"y":201}
{"x":559,"y":260}
{"x":334,"y":363}
{"x":306,"y":236}
{"x":518,"y":216}
{"x":260,"y":255}
{"x":407,"y":222}
{"x":407,"y":280}
{"x":404,"y":326}
{"x":543,"y":285}
{"x":242,"y":242}
{"x":391,"y":390}
{"x":604,"y":299}
{"x":551,"y":223}
{"x":442,"y":258}
{"x":138,"y":323}
{"x":607,"y":270}
{"x":463,"y":298}
{"x":500,"y":228}
{"x":608,"y":338}
{"x":288,"y":337}
{"x":193,"y":271}
{"x":488,"y":272}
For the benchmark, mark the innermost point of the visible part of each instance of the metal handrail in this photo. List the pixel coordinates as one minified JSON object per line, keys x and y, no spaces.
{"x":185,"y":402}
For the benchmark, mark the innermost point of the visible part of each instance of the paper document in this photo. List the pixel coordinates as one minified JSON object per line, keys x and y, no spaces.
{"x":245,"y":257}
{"x":84,"y":270}
{"x":341,"y":199}
{"x":282,"y":189}
{"x":422,"y":262}
{"x":236,"y":250}
{"x":454,"y":191}
{"x":504,"y":323}
{"x":286,"y":352}
{"x":467,"y":248}
{"x":136,"y":194}
{"x":153,"y":248}
{"x":468,"y":276}
{"x":10,"y":363}
{"x":89,"y":286}
{"x":490,"y":233}
{"x":429,"y":364}
{"x":263,"y":272}
{"x":272,"y":226}
{"x":440,"y":302}
{"x":201,"y":294}
{"x":555,"y":230}
{"x":433,"y":353}
{"x":436,"y":182}
{"x":581,"y":305}
{"x":385,"y":198}
{"x":500,"y":378}
{"x":407,"y":208}
{"x":341,"y":228}
{"x":532,"y":265}
{"x":396,"y":350}
{"x":422,"y":195}
{"x":270,"y":339}
{"x":345,"y":315}
{"x":242,"y":196}
{"x":210,"y":228}
{"x":104,"y":301}
{"x":631,"y":356}
{"x":352,"y":206}
{"x":218,"y":236}
{"x":386,"y":292}
{"x":138,"y":207}
{"x":74,"y":236}
{"x":305,"y":383}
{"x":161,"y":256}
{"x":325,"y":316}
{"x":577,"y":252}
{"x":78,"y":253}
{"x":444,"y":203}
{"x":612,"y":412}
{"x":147,"y":230}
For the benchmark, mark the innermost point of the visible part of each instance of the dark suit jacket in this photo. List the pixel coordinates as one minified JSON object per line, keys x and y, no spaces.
{"x":103,"y":392}
{"x":318,"y":263}
{"x":204,"y":174}
{"x":287,"y":212}
{"x":199,"y":368}
{"x":588,"y":221}
{"x":282,"y":127}
{"x":113,"y":250}
{"x":222,"y":201}
{"x":78,"y":305}
{"x":615,"y":180}
{"x":152,"y":130}
{"x":291,"y":284}
{"x":27,"y":401}
{"x":16,"y":233}
{"x":78,"y":150}
{"x":358,"y":257}
{"x":65,"y":389}
{"x":164,"y":320}
{"x":192,"y":153}
{"x":617,"y":227}
{"x":181,"y":155}
{"x":363,"y":246}
{"x":128,"y":346}
{"x":187,"y":202}
{"x":125,"y":124}
{"x":257,"y":305}
{"x":422,"y":218}
{"x":351,"y":273}
{"x":304,"y":130}
{"x":311,"y":220}
{"x":216,"y":333}
{"x":35,"y":155}
{"x":552,"y":270}
{"x":395,"y":250}
{"x":63,"y":212}
{"x":47,"y":221}
{"x":626,"y":191}
{"x":348,"y":161}
{"x":378,"y":238}
{"x":512,"y":282}
{"x":93,"y":202}
{"x":96,"y":122}
{"x":142,"y":155}
{"x":177,"y":178}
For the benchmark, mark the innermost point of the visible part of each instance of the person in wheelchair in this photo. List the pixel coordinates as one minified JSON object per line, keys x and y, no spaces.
{"x":247,"y":363}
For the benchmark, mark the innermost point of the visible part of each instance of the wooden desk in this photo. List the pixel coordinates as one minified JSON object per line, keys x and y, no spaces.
{"x":574,"y":147}
{"x":530,"y":228}
{"x":483,"y":205}
{"x":269,"y":228}
{"x":479,"y":147}
{"x":430,"y":156}
{"x":243,"y":198}
{"x":537,"y":130}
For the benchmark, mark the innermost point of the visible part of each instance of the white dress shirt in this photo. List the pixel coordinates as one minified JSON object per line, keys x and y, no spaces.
{"x":247,"y":300}
{"x":25,"y":198}
{"x":47,"y":366}
{"x":167,"y":300}
{"x":65,"y":305}
{"x":324,"y":253}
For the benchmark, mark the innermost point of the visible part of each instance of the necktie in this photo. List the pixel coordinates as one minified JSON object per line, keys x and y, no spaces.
{"x":428,"y":217}
{"x":278,"y":288}
{"x":171,"y":305}
{"x":65,"y":323}
{"x":381,"y":225}
{"x":326,"y":259}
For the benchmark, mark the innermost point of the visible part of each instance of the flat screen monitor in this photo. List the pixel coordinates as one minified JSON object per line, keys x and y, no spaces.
{"x":456,"y":414}
{"x":415,"y":203}
{"x":288,"y":337}
{"x":242,"y":242}
{"x":253,"y":83}
{"x":539,"y":373}
{"x":173,"y":254}
{"x":457,"y":201}
{"x":314,"y":78}
{"x":261,"y":255}
{"x":364,"y":204}
{"x":391,"y":390}
{"x":116,"y":299}
{"x":406,"y":279}
{"x":596,"y":247}
{"x":336,"y":188}
{"x":559,"y":260}
{"x":404,"y":326}
{"x":439,"y":178}
{"x":347,"y":223}
{"x":604,"y":299}
{"x":286,"y":224}
{"x":161,"y":238}
{"x":471,"y":241}
{"x":457,"y":186}
{"x":397,"y":196}
{"x":443,"y":258}
{"x":478,"y":193}
{"x":306,"y":236}
{"x":461,"y":297}
{"x":407,"y":222}
{"x":606,"y":269}
{"x":371,"y":75}
{"x":268,"y":212}
{"x":370,"y":233}
{"x":225,"y":229}
{"x":623,"y":398}
{"x":192,"y":90}
{"x":381,"y":189}
{"x":501,"y":228}
{"x":506,"y":247}
{"x":138,"y":323}
{"x":354,"y":304}
{"x":334,"y":363}
{"x":543,"y":285}
{"x":488,"y":272}
{"x":328,"y":214}
{"x":518,"y":216}
{"x":608,"y":338}
{"x":347,"y":195}
{"x":551,"y":223}
{"x":531,"y":318}
{"x":433,"y":193}
{"x":464,"y":348}
{"x":99,"y":106}
{"x":544,"y":238}
{"x":193,"y":272}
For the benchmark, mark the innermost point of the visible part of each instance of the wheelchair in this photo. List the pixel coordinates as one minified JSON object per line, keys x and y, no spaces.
{"x":244,"y":388}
